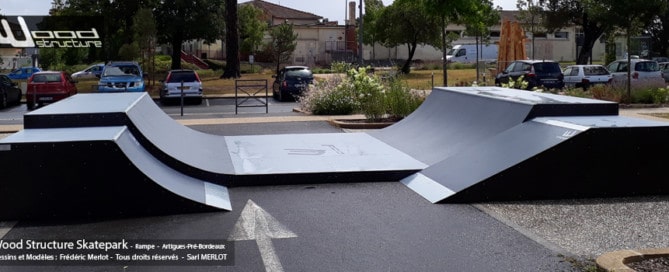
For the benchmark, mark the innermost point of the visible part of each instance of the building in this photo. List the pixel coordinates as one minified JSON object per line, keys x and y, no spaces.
{"x":320,"y":41}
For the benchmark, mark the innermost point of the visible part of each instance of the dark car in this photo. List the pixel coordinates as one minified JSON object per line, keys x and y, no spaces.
{"x":10,"y":94}
{"x":48,"y":87}
{"x":291,"y":82}
{"x":537,"y":73}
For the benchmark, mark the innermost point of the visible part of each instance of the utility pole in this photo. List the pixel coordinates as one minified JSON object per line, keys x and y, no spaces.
{"x":360,"y":61}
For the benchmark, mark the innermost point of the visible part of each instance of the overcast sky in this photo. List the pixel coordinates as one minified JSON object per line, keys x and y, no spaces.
{"x":334,"y":10}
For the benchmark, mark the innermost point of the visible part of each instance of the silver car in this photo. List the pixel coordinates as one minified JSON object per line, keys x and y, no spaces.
{"x":641,"y":68}
{"x":181,"y":82}
{"x":584,"y":76}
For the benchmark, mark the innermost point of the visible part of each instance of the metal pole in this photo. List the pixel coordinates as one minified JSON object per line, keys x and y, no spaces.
{"x":182,"y":98}
{"x":362,"y":62}
{"x":34,"y":96}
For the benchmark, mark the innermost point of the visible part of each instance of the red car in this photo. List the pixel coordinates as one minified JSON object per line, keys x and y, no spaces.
{"x":48,"y":87}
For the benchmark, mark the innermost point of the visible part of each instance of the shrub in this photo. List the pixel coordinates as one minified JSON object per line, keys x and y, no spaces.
{"x":400,"y":100}
{"x":328,"y":97}
{"x":519,"y":83}
{"x":361,"y":92}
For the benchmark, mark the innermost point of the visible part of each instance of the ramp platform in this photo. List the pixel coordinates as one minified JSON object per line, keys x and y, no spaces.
{"x":462,"y":145}
{"x":94,"y":172}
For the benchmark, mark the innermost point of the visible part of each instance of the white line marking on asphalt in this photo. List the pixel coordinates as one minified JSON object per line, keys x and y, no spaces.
{"x":256,"y":224}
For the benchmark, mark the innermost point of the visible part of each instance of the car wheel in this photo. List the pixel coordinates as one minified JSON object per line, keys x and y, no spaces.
{"x":18,"y":99}
{"x":198,"y":101}
{"x":30,"y":105}
{"x":4,"y":103}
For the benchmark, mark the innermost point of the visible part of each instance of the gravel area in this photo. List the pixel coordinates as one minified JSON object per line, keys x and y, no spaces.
{"x":589,"y":227}
{"x":651,"y":265}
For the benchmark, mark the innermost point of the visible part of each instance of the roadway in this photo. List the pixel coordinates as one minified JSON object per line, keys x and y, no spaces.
{"x":380,"y":226}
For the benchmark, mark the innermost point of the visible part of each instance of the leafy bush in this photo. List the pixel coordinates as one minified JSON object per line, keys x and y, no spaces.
{"x":361,"y":92}
{"x":519,"y":83}
{"x":328,"y":97}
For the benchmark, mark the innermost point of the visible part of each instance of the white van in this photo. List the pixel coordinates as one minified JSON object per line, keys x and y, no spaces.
{"x":466,"y":53}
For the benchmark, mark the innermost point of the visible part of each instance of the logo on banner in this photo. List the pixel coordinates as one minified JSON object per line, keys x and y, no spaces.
{"x":60,"y":38}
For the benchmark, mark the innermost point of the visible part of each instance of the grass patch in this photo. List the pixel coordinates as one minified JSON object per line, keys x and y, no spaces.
{"x":213,"y":85}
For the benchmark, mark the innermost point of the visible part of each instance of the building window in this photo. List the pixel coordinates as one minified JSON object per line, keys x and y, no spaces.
{"x":561,"y":35}
{"x":540,"y":35}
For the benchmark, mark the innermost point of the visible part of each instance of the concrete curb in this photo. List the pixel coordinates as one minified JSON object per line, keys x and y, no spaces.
{"x":616,"y":261}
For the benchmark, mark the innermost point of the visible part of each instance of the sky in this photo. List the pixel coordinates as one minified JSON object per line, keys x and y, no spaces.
{"x":333,"y":10}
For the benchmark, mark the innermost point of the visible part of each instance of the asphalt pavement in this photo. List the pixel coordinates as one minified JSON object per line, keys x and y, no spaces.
{"x":379,"y":226}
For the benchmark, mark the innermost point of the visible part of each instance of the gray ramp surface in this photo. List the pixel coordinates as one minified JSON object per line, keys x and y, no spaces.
{"x":452,"y":119}
{"x":99,"y":171}
{"x":551,"y":158}
{"x":234,"y":160}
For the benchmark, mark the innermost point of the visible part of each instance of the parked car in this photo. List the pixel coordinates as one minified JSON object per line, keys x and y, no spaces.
{"x":10,"y":93}
{"x":177,"y":81}
{"x":49,"y":87}
{"x":584,"y":76}
{"x":23,"y":73}
{"x":93,"y":71}
{"x":664,"y":68}
{"x":291,"y":82}
{"x":121,"y":76}
{"x":537,"y":73}
{"x":641,"y":69}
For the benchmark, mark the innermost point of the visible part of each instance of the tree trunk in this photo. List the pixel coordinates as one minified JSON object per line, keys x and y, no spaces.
{"x":406,"y":68}
{"x":176,"y":53}
{"x":444,"y":50}
{"x":591,"y":32}
{"x":232,"y":66}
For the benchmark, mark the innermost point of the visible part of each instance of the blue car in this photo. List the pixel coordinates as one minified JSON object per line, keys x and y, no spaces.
{"x":121,"y":76}
{"x":23,"y":73}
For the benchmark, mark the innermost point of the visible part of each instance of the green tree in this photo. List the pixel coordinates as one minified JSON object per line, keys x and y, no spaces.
{"x":531,"y":16}
{"x":180,"y":20}
{"x":232,"y":65}
{"x":595,"y":17}
{"x":408,"y":23}
{"x":144,"y":27}
{"x":282,"y":44}
{"x":251,"y":28}
{"x":659,"y":33}
{"x":373,"y":9}
{"x":451,"y":11}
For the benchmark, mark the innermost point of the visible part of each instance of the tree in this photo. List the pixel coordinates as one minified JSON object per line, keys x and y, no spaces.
{"x":459,"y":11}
{"x":181,"y":20}
{"x":144,"y":27}
{"x":282,"y":43}
{"x":373,"y":9}
{"x":251,"y":28}
{"x":530,"y":17}
{"x":659,"y":33}
{"x":232,"y":65}
{"x":408,"y":23}
{"x":595,"y":17}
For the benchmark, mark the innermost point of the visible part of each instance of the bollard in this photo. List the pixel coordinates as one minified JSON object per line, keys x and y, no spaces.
{"x":182,"y":98}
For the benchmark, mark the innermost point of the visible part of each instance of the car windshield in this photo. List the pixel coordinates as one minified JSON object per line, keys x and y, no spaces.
{"x":646,"y":66}
{"x":182,"y":76}
{"x":46,"y":78}
{"x":547,"y":67}
{"x":299,"y":73}
{"x":595,"y":71}
{"x":121,"y":71}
